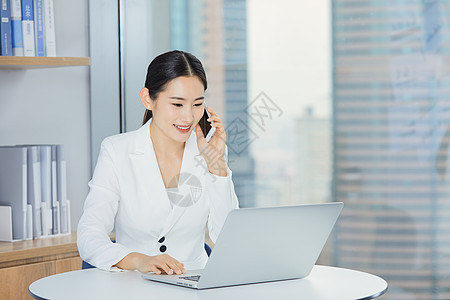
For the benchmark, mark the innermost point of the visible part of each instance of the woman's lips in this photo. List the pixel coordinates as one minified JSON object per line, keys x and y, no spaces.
{"x":183,"y":129}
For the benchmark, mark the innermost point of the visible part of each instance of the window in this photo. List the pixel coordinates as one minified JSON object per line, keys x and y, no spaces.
{"x":344,"y":100}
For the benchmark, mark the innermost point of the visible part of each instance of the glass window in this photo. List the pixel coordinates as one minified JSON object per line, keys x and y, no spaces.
{"x":344,"y":100}
{"x":391,"y":138}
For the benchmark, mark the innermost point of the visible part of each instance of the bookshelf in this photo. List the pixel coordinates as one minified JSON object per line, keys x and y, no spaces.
{"x":24,"y":63}
{"x":52,"y":94}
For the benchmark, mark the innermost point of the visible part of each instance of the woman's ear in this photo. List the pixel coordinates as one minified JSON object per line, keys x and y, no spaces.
{"x":145,"y":98}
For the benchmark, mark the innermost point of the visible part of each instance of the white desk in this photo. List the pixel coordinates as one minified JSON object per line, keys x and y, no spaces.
{"x":323,"y":283}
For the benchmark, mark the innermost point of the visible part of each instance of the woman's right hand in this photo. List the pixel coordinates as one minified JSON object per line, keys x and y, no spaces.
{"x":158,"y":264}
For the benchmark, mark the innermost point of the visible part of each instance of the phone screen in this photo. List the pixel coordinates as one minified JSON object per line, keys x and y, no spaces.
{"x":204,"y":124}
{"x":208,"y":130}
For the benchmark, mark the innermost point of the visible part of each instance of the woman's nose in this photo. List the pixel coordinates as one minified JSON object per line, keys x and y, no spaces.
{"x":187,"y":115}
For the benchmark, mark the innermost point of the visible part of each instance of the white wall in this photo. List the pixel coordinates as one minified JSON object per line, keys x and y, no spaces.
{"x":52,"y":105}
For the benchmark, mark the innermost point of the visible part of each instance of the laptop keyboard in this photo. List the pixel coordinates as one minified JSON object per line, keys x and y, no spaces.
{"x":191,"y":278}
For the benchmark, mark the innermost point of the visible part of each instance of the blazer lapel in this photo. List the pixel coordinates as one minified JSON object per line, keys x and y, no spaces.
{"x":190,"y":186}
{"x":146,"y":168}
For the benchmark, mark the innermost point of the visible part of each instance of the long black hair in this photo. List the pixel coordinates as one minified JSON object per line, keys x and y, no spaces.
{"x":168,"y":66}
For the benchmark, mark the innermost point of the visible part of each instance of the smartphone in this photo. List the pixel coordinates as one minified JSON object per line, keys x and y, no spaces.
{"x":208,"y":130}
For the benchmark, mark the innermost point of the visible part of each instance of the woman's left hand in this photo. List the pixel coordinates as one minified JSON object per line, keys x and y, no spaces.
{"x":213,"y":151}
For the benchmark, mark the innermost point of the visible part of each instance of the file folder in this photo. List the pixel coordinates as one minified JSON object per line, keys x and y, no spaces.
{"x":55,"y":203}
{"x":46,"y":188}
{"x":14,"y":187}
{"x":34,"y":188}
{"x":29,"y":222}
{"x":62,"y":188}
{"x":6,"y":231}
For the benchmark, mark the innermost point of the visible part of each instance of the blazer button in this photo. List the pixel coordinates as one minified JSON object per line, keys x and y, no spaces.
{"x":161,"y":240}
{"x":163,"y":248}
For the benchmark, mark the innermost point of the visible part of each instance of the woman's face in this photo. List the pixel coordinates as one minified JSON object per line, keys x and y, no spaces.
{"x":179,"y":108}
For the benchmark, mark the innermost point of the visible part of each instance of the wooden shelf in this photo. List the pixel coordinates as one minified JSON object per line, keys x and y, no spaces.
{"x":39,"y":250}
{"x":24,"y":262}
{"x":24,"y":63}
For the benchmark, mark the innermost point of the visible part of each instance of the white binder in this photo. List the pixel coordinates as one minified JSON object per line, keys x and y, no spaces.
{"x":46,"y":185}
{"x":34,"y":188}
{"x":62,"y":188}
{"x":55,"y":204}
{"x":13,"y":187}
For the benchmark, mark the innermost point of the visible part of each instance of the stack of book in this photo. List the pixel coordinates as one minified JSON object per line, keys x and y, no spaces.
{"x":27,"y":28}
{"x":33,"y":192}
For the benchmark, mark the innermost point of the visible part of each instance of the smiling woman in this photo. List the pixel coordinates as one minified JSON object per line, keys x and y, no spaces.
{"x":179,"y":105}
{"x":137,"y":188}
{"x":168,"y":66}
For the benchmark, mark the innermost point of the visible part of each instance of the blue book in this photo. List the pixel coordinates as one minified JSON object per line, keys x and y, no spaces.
{"x":5,"y":29}
{"x":16,"y":27}
{"x":28,"y":28}
{"x":39,"y":39}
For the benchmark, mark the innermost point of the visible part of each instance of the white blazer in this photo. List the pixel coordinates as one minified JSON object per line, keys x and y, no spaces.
{"x":127,"y":193}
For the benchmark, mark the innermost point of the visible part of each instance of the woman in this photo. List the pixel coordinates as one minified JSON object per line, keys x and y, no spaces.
{"x":159,"y":186}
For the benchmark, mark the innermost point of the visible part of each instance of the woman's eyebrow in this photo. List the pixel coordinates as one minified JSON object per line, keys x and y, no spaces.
{"x":181,"y":98}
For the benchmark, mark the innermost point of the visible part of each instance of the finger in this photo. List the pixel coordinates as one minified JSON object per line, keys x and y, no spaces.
{"x":168,"y":269}
{"x":155,"y":270}
{"x":179,"y":265}
{"x":217,"y":124}
{"x":172,"y":263}
{"x":173,"y":267}
{"x":176,"y":266}
{"x":165,"y":267}
{"x":182,"y":269}
{"x":211,"y":111}
{"x":214,"y":119}
{"x":220,"y":130}
{"x":177,"y":269}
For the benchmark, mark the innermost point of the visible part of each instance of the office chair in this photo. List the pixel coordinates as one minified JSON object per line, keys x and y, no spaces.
{"x":85,"y":265}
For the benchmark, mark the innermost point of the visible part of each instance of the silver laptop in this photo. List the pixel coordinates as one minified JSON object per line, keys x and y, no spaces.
{"x":263,"y":244}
